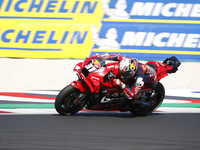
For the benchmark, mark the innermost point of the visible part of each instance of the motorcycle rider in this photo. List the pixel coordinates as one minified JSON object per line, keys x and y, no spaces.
{"x":134,"y":75}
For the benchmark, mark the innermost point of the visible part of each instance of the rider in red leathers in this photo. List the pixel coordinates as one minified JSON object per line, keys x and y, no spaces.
{"x":134,"y":75}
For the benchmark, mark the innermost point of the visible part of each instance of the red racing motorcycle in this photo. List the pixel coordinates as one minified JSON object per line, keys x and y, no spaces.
{"x":96,"y":90}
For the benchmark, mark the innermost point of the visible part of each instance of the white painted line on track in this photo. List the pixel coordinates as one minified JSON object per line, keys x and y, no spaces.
{"x":22,"y":99}
{"x":175,"y":101}
{"x":183,"y":93}
{"x":33,"y":92}
{"x":178,"y":110}
{"x":20,"y":111}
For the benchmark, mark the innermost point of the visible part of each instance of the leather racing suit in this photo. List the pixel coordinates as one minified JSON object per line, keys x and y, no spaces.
{"x":144,"y":76}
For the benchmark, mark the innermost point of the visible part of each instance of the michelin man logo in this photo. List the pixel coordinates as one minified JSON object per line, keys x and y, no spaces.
{"x":118,"y":12}
{"x":105,"y":43}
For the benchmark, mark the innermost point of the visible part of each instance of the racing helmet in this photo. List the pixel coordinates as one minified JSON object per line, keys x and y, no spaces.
{"x":128,"y":68}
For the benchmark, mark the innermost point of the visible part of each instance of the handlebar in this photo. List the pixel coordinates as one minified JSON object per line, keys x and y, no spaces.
{"x":108,"y":76}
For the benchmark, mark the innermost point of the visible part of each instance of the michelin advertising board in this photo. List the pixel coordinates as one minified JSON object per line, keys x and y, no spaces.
{"x":48,"y":28}
{"x":147,"y":30}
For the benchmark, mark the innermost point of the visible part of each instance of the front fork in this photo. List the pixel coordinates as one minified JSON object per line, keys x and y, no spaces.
{"x":81,"y":100}
{"x":83,"y":97}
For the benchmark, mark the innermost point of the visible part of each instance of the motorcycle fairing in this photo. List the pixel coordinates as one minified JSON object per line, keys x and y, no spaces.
{"x":169,"y":65}
{"x":82,"y":86}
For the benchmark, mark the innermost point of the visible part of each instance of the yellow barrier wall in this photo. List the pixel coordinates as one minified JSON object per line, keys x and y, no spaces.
{"x":48,"y":28}
{"x":145,"y":29}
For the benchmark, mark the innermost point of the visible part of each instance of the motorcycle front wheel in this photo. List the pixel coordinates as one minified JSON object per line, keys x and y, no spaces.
{"x":69,"y":101}
{"x":156,"y":102}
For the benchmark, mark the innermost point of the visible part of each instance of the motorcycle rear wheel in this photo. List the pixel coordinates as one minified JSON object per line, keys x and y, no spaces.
{"x":66,"y":101}
{"x":159,"y":97}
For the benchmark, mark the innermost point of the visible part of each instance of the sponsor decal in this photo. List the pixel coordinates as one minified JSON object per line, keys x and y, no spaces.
{"x":48,"y":28}
{"x":39,"y":40}
{"x":145,"y":9}
{"x":155,"y":36}
{"x":42,"y":36}
{"x":73,"y":11}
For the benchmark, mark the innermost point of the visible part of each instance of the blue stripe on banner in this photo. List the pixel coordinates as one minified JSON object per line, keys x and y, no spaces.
{"x":30,"y":49}
{"x":57,"y":18}
{"x":195,"y":91}
{"x":157,"y":57}
{"x":151,"y":21}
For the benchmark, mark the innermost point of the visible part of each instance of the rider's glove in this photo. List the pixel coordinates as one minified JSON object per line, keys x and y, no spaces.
{"x":120,"y":83}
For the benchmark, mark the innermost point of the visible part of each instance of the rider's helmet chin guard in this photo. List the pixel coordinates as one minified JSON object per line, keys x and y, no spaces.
{"x":128,"y":68}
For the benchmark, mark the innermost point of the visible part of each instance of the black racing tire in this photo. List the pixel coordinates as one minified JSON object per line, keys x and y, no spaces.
{"x":160,"y":95}
{"x":64,"y":103}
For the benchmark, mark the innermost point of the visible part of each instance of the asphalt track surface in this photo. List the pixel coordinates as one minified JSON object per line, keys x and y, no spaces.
{"x":100,"y":131}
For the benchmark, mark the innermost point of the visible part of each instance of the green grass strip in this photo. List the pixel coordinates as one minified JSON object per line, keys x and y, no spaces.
{"x":38,"y":106}
{"x":183,"y":105}
{"x":50,"y":106}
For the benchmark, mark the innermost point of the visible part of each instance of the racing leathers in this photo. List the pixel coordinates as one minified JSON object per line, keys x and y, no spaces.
{"x":144,"y":76}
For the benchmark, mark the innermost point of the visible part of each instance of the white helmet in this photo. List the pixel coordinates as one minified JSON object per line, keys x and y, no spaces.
{"x":128,"y":68}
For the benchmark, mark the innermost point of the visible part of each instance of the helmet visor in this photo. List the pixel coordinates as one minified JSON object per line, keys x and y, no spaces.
{"x":126,"y":75}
